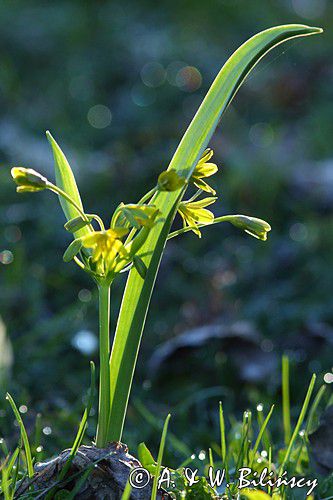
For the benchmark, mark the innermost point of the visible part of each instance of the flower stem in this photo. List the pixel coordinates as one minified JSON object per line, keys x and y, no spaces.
{"x":104,"y":374}
{"x":64,"y":195}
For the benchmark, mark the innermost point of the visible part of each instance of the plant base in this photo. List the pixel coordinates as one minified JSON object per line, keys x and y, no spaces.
{"x":107,"y":472}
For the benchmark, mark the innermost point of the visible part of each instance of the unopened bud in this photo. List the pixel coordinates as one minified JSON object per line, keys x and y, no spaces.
{"x":257,"y":228}
{"x":76,"y":224}
{"x":72,"y":250}
{"x":28,"y":180}
{"x":169,"y":180}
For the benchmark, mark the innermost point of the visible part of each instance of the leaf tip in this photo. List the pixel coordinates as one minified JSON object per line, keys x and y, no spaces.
{"x":316,"y":30}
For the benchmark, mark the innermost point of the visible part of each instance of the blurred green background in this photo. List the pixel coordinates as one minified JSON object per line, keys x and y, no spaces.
{"x":117,"y":84}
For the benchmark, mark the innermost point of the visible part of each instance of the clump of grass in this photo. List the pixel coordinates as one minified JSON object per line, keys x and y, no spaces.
{"x":242,"y":445}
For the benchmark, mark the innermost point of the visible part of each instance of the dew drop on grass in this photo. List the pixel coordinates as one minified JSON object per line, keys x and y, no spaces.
{"x":39,"y":449}
{"x":47,"y":431}
{"x":193,"y":456}
{"x":202,"y":455}
{"x":23,"y":409}
{"x":260,"y":407}
{"x":264,"y":453}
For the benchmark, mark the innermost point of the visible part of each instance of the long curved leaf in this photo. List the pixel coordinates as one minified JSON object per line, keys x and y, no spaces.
{"x":138,"y":292}
{"x":66,"y":181}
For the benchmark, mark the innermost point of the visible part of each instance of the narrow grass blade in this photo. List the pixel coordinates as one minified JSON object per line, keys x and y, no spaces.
{"x":159,"y":458}
{"x":83,"y":424}
{"x":3,"y":446}
{"x":299,"y":423}
{"x":176,"y":443}
{"x":223,"y":440}
{"x":127,"y":492}
{"x":261,"y":432}
{"x":5,"y":483}
{"x":269,"y":489}
{"x":8,"y":483}
{"x":24,"y":435}
{"x":66,"y":181}
{"x":286,"y":399}
{"x":211,"y":460}
{"x":79,"y":483}
{"x":313,"y":409}
{"x":138,"y":292}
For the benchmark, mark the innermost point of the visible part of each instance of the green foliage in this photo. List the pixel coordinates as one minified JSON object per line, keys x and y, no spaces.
{"x":65,"y":180}
{"x":137,"y":294}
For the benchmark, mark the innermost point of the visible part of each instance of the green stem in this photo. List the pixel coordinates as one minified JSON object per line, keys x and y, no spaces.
{"x":64,"y":195}
{"x":147,"y":196}
{"x":104,"y":373}
{"x":223,"y":218}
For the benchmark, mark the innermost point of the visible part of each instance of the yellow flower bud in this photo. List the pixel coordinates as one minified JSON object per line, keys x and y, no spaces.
{"x":257,"y":228}
{"x":28,"y":180}
{"x":169,"y":180}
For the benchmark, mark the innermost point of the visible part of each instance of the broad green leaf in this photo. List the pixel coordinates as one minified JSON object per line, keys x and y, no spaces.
{"x":138,"y":292}
{"x":146,"y":459}
{"x":144,"y":455}
{"x":66,"y":181}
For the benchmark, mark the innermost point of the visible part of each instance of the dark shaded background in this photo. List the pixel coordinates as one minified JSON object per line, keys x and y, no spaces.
{"x":117,"y":83}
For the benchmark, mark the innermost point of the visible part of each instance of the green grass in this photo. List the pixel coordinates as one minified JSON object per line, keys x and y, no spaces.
{"x":240,"y":444}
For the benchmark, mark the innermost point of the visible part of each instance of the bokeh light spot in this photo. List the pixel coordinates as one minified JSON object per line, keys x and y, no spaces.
{"x":328,"y":378}
{"x":153,"y":74}
{"x":99,"y":116}
{"x":85,"y":341}
{"x":84,"y":295}
{"x":172,"y":71}
{"x":12,"y":234}
{"x":309,"y":9}
{"x":143,"y":96}
{"x":298,"y":232}
{"x":6,"y":257}
{"x":261,"y":135}
{"x":189,"y":79}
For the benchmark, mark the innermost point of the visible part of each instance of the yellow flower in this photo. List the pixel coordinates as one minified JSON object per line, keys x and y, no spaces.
{"x":106,"y":246}
{"x":204,"y":169}
{"x":194,"y":213}
{"x":137,"y":215}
